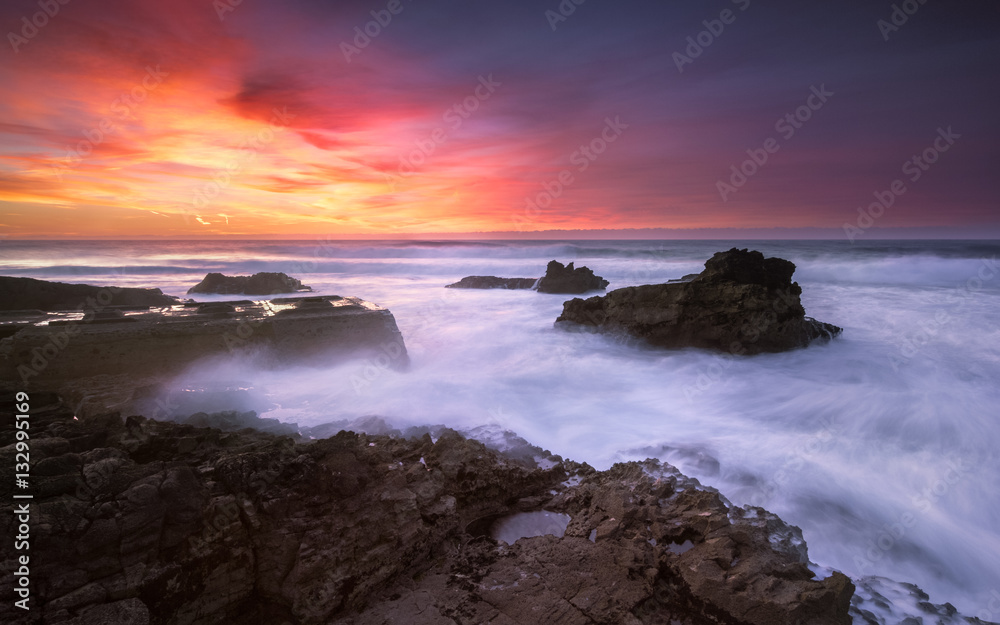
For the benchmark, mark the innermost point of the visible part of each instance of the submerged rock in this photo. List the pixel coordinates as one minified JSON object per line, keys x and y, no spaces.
{"x":41,"y":295}
{"x":171,"y":523}
{"x":263,"y":283}
{"x":492,"y":282}
{"x":741,"y":303}
{"x":567,"y":279}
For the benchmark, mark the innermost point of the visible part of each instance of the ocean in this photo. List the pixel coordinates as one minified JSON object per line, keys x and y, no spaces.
{"x":882,"y":445}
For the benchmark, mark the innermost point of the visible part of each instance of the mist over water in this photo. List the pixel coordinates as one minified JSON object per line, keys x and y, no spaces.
{"x":881,"y":445}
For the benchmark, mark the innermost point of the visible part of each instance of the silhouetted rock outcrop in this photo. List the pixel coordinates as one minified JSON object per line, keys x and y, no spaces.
{"x":492,"y":282}
{"x":263,"y":283}
{"x":142,"y":521}
{"x":565,"y":279}
{"x":31,"y":294}
{"x":741,"y":303}
{"x":557,"y":279}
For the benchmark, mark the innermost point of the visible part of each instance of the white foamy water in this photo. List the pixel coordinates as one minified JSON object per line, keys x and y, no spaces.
{"x":881,"y":445}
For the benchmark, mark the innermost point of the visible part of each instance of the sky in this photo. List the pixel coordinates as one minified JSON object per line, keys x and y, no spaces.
{"x":247,"y":118}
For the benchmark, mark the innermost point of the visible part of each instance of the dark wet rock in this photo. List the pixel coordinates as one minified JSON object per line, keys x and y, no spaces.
{"x":264,"y":283}
{"x":742,"y":303}
{"x":170,"y":523}
{"x":233,"y":421}
{"x":685,"y":278}
{"x":567,"y":279}
{"x":275,"y":333}
{"x":557,"y":279}
{"x":492,"y":282}
{"x":882,"y":601}
{"x":29,"y":294}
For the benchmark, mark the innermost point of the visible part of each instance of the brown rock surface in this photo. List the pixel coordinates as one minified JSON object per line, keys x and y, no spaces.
{"x":142,"y":521}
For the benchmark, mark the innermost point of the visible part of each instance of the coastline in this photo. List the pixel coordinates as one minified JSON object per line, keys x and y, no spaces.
{"x":99,"y":404}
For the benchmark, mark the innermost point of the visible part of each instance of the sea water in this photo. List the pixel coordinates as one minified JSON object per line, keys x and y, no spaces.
{"x":882,"y":445}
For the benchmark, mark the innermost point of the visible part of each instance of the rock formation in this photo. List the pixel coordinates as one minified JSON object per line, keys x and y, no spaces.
{"x":492,"y":282}
{"x":264,"y":283}
{"x":566,"y":279}
{"x":31,"y":294}
{"x":142,"y":522}
{"x":63,"y":348}
{"x":742,"y":303}
{"x":557,"y":279}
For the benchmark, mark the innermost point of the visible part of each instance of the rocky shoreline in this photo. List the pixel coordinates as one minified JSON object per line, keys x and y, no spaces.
{"x":224,"y":517}
{"x":129,"y":348}
{"x":170,"y":523}
{"x":140,"y":521}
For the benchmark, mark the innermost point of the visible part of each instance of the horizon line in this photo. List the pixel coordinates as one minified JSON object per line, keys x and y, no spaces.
{"x":927,"y":233}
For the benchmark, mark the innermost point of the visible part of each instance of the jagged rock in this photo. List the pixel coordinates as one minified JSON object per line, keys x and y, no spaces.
{"x":263,"y":283}
{"x":643,"y":546}
{"x":492,"y":282}
{"x":741,"y":303}
{"x":882,"y":601}
{"x":232,"y":421}
{"x":139,"y":519}
{"x":567,"y":279}
{"x":40,"y":295}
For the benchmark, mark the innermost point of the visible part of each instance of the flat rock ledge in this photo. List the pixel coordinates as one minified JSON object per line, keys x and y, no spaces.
{"x":43,"y":350}
{"x":42,"y":296}
{"x":263,"y":283}
{"x":492,"y":282}
{"x":139,"y":521}
{"x":742,"y":303}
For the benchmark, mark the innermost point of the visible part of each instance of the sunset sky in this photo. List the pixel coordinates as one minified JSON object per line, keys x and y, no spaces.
{"x":251,"y":118}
